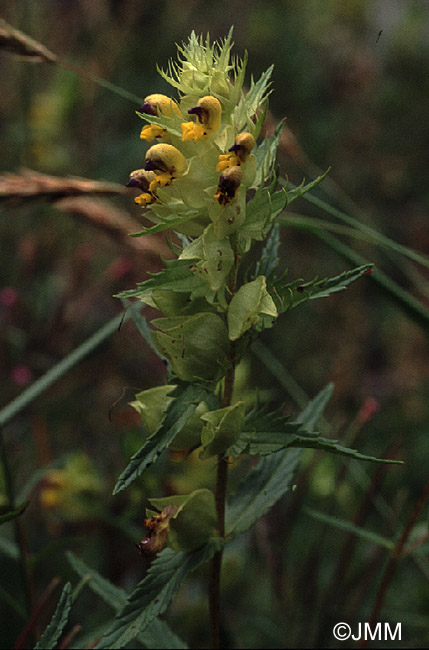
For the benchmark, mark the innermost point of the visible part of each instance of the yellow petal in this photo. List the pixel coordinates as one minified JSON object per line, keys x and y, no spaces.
{"x":144,"y":199}
{"x":151,"y":132}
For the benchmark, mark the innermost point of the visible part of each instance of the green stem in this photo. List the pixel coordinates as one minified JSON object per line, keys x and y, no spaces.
{"x":222,"y":476}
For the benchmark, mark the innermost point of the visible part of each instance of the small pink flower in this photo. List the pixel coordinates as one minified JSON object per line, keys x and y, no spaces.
{"x":8,"y":296}
{"x":21,"y":375}
{"x":368,"y":410}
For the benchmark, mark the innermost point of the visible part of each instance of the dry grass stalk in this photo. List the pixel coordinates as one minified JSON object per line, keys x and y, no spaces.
{"x":116,"y":223}
{"x":16,"y":42}
{"x":28,"y":184}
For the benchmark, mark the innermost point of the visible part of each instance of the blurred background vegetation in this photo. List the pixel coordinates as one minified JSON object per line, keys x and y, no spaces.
{"x":352,"y":79}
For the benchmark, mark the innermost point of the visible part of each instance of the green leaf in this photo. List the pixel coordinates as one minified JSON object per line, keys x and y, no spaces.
{"x":187,"y":398}
{"x":404,"y":299}
{"x":156,"y":635}
{"x":271,"y":479}
{"x":266,"y":157}
{"x":347,"y":526}
{"x":221,"y":429}
{"x":269,"y":259}
{"x":177,"y":276}
{"x":54,"y":630}
{"x":251,"y":300}
{"x":294,"y":293}
{"x":262,"y":443}
{"x":13,"y":514}
{"x":193,"y":523}
{"x":153,"y":594}
{"x":302,"y":189}
{"x":261,"y":489}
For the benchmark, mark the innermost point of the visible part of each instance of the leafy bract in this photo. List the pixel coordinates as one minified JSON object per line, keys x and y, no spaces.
{"x":194,"y":521}
{"x":267,"y":433}
{"x":294,"y":293}
{"x":246,"y":306}
{"x":302,"y":189}
{"x":153,"y":594}
{"x":156,"y":635}
{"x":187,"y":398}
{"x":54,"y":630}
{"x":152,"y":404}
{"x":221,"y":429}
{"x":177,"y":276}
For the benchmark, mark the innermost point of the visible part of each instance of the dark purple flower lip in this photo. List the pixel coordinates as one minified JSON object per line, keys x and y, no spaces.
{"x":133,"y":182}
{"x":235,"y":147}
{"x":148,"y":108}
{"x":151,"y":165}
{"x":198,"y":111}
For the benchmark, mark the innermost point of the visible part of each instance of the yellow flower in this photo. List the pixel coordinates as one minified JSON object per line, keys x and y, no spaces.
{"x":209,"y":112}
{"x":160,"y":104}
{"x":240,"y":152}
{"x":153,"y":132}
{"x":229,"y":182}
{"x":166,"y":159}
{"x":52,"y":492}
{"x":143,"y":180}
{"x":157,"y":104}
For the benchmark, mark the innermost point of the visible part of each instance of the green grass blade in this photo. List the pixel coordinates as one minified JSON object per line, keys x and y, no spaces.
{"x":347,"y":526}
{"x":372,"y":232}
{"x":60,"y":369}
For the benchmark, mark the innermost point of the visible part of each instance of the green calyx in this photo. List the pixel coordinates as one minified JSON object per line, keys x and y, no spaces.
{"x":196,"y":346}
{"x":194,"y":520}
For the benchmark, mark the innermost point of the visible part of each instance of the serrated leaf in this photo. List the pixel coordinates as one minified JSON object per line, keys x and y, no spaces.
{"x":187,"y":398}
{"x":266,"y":157}
{"x":302,"y":189}
{"x":272,"y":477}
{"x":153,"y":594}
{"x":13,"y":514}
{"x":261,"y":489}
{"x":269,"y":259}
{"x":157,"y":634}
{"x":294,"y":293}
{"x":54,"y":630}
{"x":262,"y":443}
{"x":177,"y":276}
